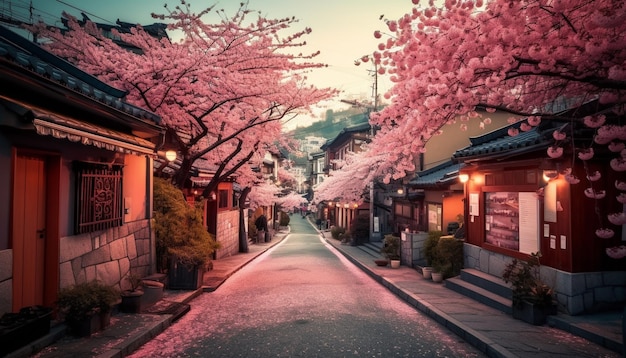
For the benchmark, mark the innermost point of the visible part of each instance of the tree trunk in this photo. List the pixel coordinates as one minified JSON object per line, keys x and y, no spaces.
{"x":243,"y":235}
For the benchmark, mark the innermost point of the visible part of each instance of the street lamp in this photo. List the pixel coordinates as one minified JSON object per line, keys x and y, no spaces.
{"x":170,"y":155}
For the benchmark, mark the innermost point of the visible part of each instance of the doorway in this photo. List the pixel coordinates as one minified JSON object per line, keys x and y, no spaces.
{"x":34,"y":235}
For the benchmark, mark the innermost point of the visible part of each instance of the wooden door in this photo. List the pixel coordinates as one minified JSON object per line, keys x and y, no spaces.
{"x":29,"y":230}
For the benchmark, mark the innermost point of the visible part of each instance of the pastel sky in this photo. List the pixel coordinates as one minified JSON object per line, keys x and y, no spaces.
{"x":342,"y":29}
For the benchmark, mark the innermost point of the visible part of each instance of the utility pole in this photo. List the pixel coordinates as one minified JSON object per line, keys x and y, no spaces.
{"x":374,"y":232}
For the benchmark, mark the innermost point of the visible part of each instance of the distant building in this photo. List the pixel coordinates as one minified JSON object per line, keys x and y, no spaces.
{"x":311,"y":144}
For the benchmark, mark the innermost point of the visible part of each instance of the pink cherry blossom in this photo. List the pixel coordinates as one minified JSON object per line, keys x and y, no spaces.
{"x":616,"y":146}
{"x":595,"y":194}
{"x":617,"y":218}
{"x":621,"y":198}
{"x":594,"y":121}
{"x":585,"y":154}
{"x":558,"y":135}
{"x":222,"y":91}
{"x":605,"y":233}
{"x":595,"y":176}
{"x":616,"y":252}
{"x":513,"y":132}
{"x":618,"y":164}
{"x":534,"y":120}
{"x":555,"y":152}
{"x":572,"y":179}
{"x":524,"y":127}
{"x":620,"y":185}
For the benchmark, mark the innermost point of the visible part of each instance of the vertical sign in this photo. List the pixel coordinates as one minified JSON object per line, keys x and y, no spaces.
{"x":528,"y":222}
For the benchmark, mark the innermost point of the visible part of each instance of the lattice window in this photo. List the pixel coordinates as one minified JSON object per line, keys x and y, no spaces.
{"x":99,"y":201}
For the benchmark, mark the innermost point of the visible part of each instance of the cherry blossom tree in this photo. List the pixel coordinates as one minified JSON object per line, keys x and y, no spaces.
{"x":541,"y":60}
{"x":223,"y":90}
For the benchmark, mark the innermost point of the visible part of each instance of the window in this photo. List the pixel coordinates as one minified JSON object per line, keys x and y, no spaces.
{"x":222,"y":202}
{"x":99,"y":203}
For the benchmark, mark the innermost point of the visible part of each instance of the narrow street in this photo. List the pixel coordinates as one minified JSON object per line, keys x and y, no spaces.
{"x":303,"y":299}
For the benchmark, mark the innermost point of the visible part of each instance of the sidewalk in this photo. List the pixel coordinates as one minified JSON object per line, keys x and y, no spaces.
{"x":491,"y":331}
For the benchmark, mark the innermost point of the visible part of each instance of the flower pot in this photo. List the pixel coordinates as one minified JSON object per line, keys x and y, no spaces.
{"x":381,"y":262}
{"x":395,"y":263}
{"x":131,"y":301}
{"x":85,"y":327}
{"x":437,"y":276}
{"x":533,"y":313}
{"x":427,"y":272}
{"x":19,"y":329}
{"x":184,"y":277}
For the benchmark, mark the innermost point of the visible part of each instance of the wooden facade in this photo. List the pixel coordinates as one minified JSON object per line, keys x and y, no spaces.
{"x":512,"y":209}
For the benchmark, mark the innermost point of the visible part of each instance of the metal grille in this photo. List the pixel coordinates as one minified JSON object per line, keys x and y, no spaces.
{"x":99,"y":203}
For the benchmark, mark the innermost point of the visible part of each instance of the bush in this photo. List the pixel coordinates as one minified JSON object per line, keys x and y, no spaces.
{"x":83,"y":300}
{"x":337,"y":231}
{"x":449,"y":256}
{"x":360,"y":227}
{"x":391,"y":247}
{"x":179,"y":228}
{"x":526,"y":282}
{"x":430,"y":246}
{"x":284,"y":219}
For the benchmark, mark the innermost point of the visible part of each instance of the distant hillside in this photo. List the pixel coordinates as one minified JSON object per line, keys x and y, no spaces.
{"x":332,"y":124}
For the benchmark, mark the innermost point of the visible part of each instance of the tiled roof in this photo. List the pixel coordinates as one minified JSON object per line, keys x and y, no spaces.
{"x":31,"y":56}
{"x":440,"y":175}
{"x":346,"y":131}
{"x":500,"y":143}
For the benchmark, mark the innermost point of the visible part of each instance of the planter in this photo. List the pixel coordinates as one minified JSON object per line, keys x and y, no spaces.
{"x":437,"y":277}
{"x":381,"y":262}
{"x":395,"y":263}
{"x":184,"y":277}
{"x":427,"y":272}
{"x":19,"y":329}
{"x":131,"y":301}
{"x":152,"y":293}
{"x":533,"y":313}
{"x":85,"y":327}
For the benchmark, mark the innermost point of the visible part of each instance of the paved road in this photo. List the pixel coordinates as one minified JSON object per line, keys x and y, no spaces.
{"x":301,"y":298}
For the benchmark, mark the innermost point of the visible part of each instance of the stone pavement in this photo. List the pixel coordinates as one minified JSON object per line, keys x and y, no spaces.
{"x":491,"y":331}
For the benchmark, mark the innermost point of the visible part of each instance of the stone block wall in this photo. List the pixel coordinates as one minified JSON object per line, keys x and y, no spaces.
{"x":412,"y":248}
{"x":576,"y":293}
{"x":107,"y":255}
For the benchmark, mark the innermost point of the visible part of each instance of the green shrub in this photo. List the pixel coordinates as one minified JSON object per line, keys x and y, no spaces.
{"x":284,"y":219}
{"x":449,"y":256}
{"x":360,"y":227}
{"x":179,"y":228}
{"x":78,"y":302}
{"x":430,"y":246}
{"x":337,"y":231}
{"x":391,"y":247}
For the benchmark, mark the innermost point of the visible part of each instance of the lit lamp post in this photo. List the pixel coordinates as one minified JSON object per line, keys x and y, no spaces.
{"x":170,"y":155}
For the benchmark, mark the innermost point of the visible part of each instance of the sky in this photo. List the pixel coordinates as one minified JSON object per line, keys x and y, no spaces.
{"x":342,"y":30}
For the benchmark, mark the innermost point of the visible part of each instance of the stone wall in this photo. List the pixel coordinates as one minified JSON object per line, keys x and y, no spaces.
{"x":412,"y":248}
{"x":576,"y":293}
{"x":107,"y":255}
{"x":227,"y":233}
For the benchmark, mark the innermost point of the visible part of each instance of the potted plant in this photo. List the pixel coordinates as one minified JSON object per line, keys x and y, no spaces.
{"x":183,"y":245}
{"x":131,"y":298}
{"x":391,"y":249}
{"x":86,"y":306}
{"x":449,"y":256}
{"x":430,"y":245}
{"x":533,"y":300}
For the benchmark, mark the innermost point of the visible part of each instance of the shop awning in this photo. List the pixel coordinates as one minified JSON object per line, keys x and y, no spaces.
{"x":62,"y":127}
